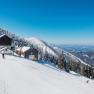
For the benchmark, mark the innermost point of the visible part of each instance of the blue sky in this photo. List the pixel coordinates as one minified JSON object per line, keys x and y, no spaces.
{"x":56,"y":21}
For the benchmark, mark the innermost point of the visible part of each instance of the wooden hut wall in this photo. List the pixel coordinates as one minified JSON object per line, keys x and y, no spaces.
{"x":6,"y":41}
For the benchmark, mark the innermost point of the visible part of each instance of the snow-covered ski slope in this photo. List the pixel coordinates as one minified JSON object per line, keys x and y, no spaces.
{"x":21,"y":76}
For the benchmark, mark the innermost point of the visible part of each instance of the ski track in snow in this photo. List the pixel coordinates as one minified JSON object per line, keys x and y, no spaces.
{"x":3,"y":87}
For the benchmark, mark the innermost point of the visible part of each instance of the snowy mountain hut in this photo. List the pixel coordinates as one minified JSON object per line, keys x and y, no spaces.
{"x":34,"y":53}
{"x":24,"y":51}
{"x":5,"y":40}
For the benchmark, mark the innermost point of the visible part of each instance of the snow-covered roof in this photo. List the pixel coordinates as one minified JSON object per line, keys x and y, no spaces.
{"x":3,"y":35}
{"x":23,"y":49}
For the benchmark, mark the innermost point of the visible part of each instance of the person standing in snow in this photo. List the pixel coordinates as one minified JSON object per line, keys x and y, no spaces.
{"x":3,"y":55}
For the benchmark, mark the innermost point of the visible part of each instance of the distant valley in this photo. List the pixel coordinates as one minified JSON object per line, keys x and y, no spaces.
{"x":84,"y":52}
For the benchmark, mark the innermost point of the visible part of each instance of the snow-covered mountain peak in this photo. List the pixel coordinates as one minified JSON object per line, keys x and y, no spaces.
{"x":43,"y":46}
{"x":54,"y":50}
{"x":35,"y":41}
